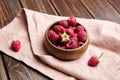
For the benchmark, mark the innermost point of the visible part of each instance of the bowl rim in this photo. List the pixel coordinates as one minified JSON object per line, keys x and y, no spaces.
{"x":87,"y":40}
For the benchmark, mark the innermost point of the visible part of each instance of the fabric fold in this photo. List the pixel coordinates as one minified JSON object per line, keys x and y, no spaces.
{"x":30,"y":26}
{"x":18,"y":29}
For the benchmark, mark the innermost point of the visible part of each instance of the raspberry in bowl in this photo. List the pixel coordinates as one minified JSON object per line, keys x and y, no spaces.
{"x":66,"y":39}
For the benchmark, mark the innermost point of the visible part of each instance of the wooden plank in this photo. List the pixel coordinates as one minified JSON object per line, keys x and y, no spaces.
{"x":61,"y":7}
{"x":16,"y":70}
{"x":20,"y":71}
{"x":4,"y":17}
{"x":3,"y":75}
{"x":115,"y":4}
{"x":43,"y":6}
{"x":102,"y":10}
{"x":71,"y":7}
{"x":12,"y":6}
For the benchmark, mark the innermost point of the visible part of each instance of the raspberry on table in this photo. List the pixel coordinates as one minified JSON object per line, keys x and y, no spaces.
{"x":94,"y":60}
{"x":16,"y":45}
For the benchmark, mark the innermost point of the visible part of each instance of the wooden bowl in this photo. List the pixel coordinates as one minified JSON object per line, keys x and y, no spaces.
{"x":64,"y":54}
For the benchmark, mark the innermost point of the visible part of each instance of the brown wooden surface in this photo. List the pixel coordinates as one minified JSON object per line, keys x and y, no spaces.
{"x":101,"y":9}
{"x":11,"y":69}
{"x":3,"y":75}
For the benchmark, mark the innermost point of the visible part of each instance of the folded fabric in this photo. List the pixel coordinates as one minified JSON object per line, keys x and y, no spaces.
{"x":29,"y":27}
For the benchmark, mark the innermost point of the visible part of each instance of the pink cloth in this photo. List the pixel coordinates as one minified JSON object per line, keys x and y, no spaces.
{"x":29,"y":27}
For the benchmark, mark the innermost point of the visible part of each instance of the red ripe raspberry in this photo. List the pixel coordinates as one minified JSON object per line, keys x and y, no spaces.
{"x":80,"y":44}
{"x":74,"y":38}
{"x":15,"y":46}
{"x":63,"y":23}
{"x":72,"y":44}
{"x":82,"y":36}
{"x":94,"y":60}
{"x":71,"y":27}
{"x":70,"y":32}
{"x":59,"y":29}
{"x":75,"y":34}
{"x":53,"y":36}
{"x":72,"y":21}
{"x":79,"y":28}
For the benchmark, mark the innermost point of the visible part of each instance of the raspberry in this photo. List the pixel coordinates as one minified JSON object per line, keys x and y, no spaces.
{"x":15,"y":46}
{"x":94,"y":60}
{"x":74,"y":38}
{"x":53,"y":36}
{"x":79,"y":28}
{"x":80,"y":44}
{"x":72,"y":21}
{"x":58,"y":29}
{"x":73,"y":28}
{"x":71,"y":45}
{"x":70,"y":32}
{"x":82,"y":36}
{"x":75,"y":34}
{"x":63,"y":23}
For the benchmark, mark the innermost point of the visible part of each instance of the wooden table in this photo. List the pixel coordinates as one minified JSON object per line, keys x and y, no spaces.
{"x":11,"y":69}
